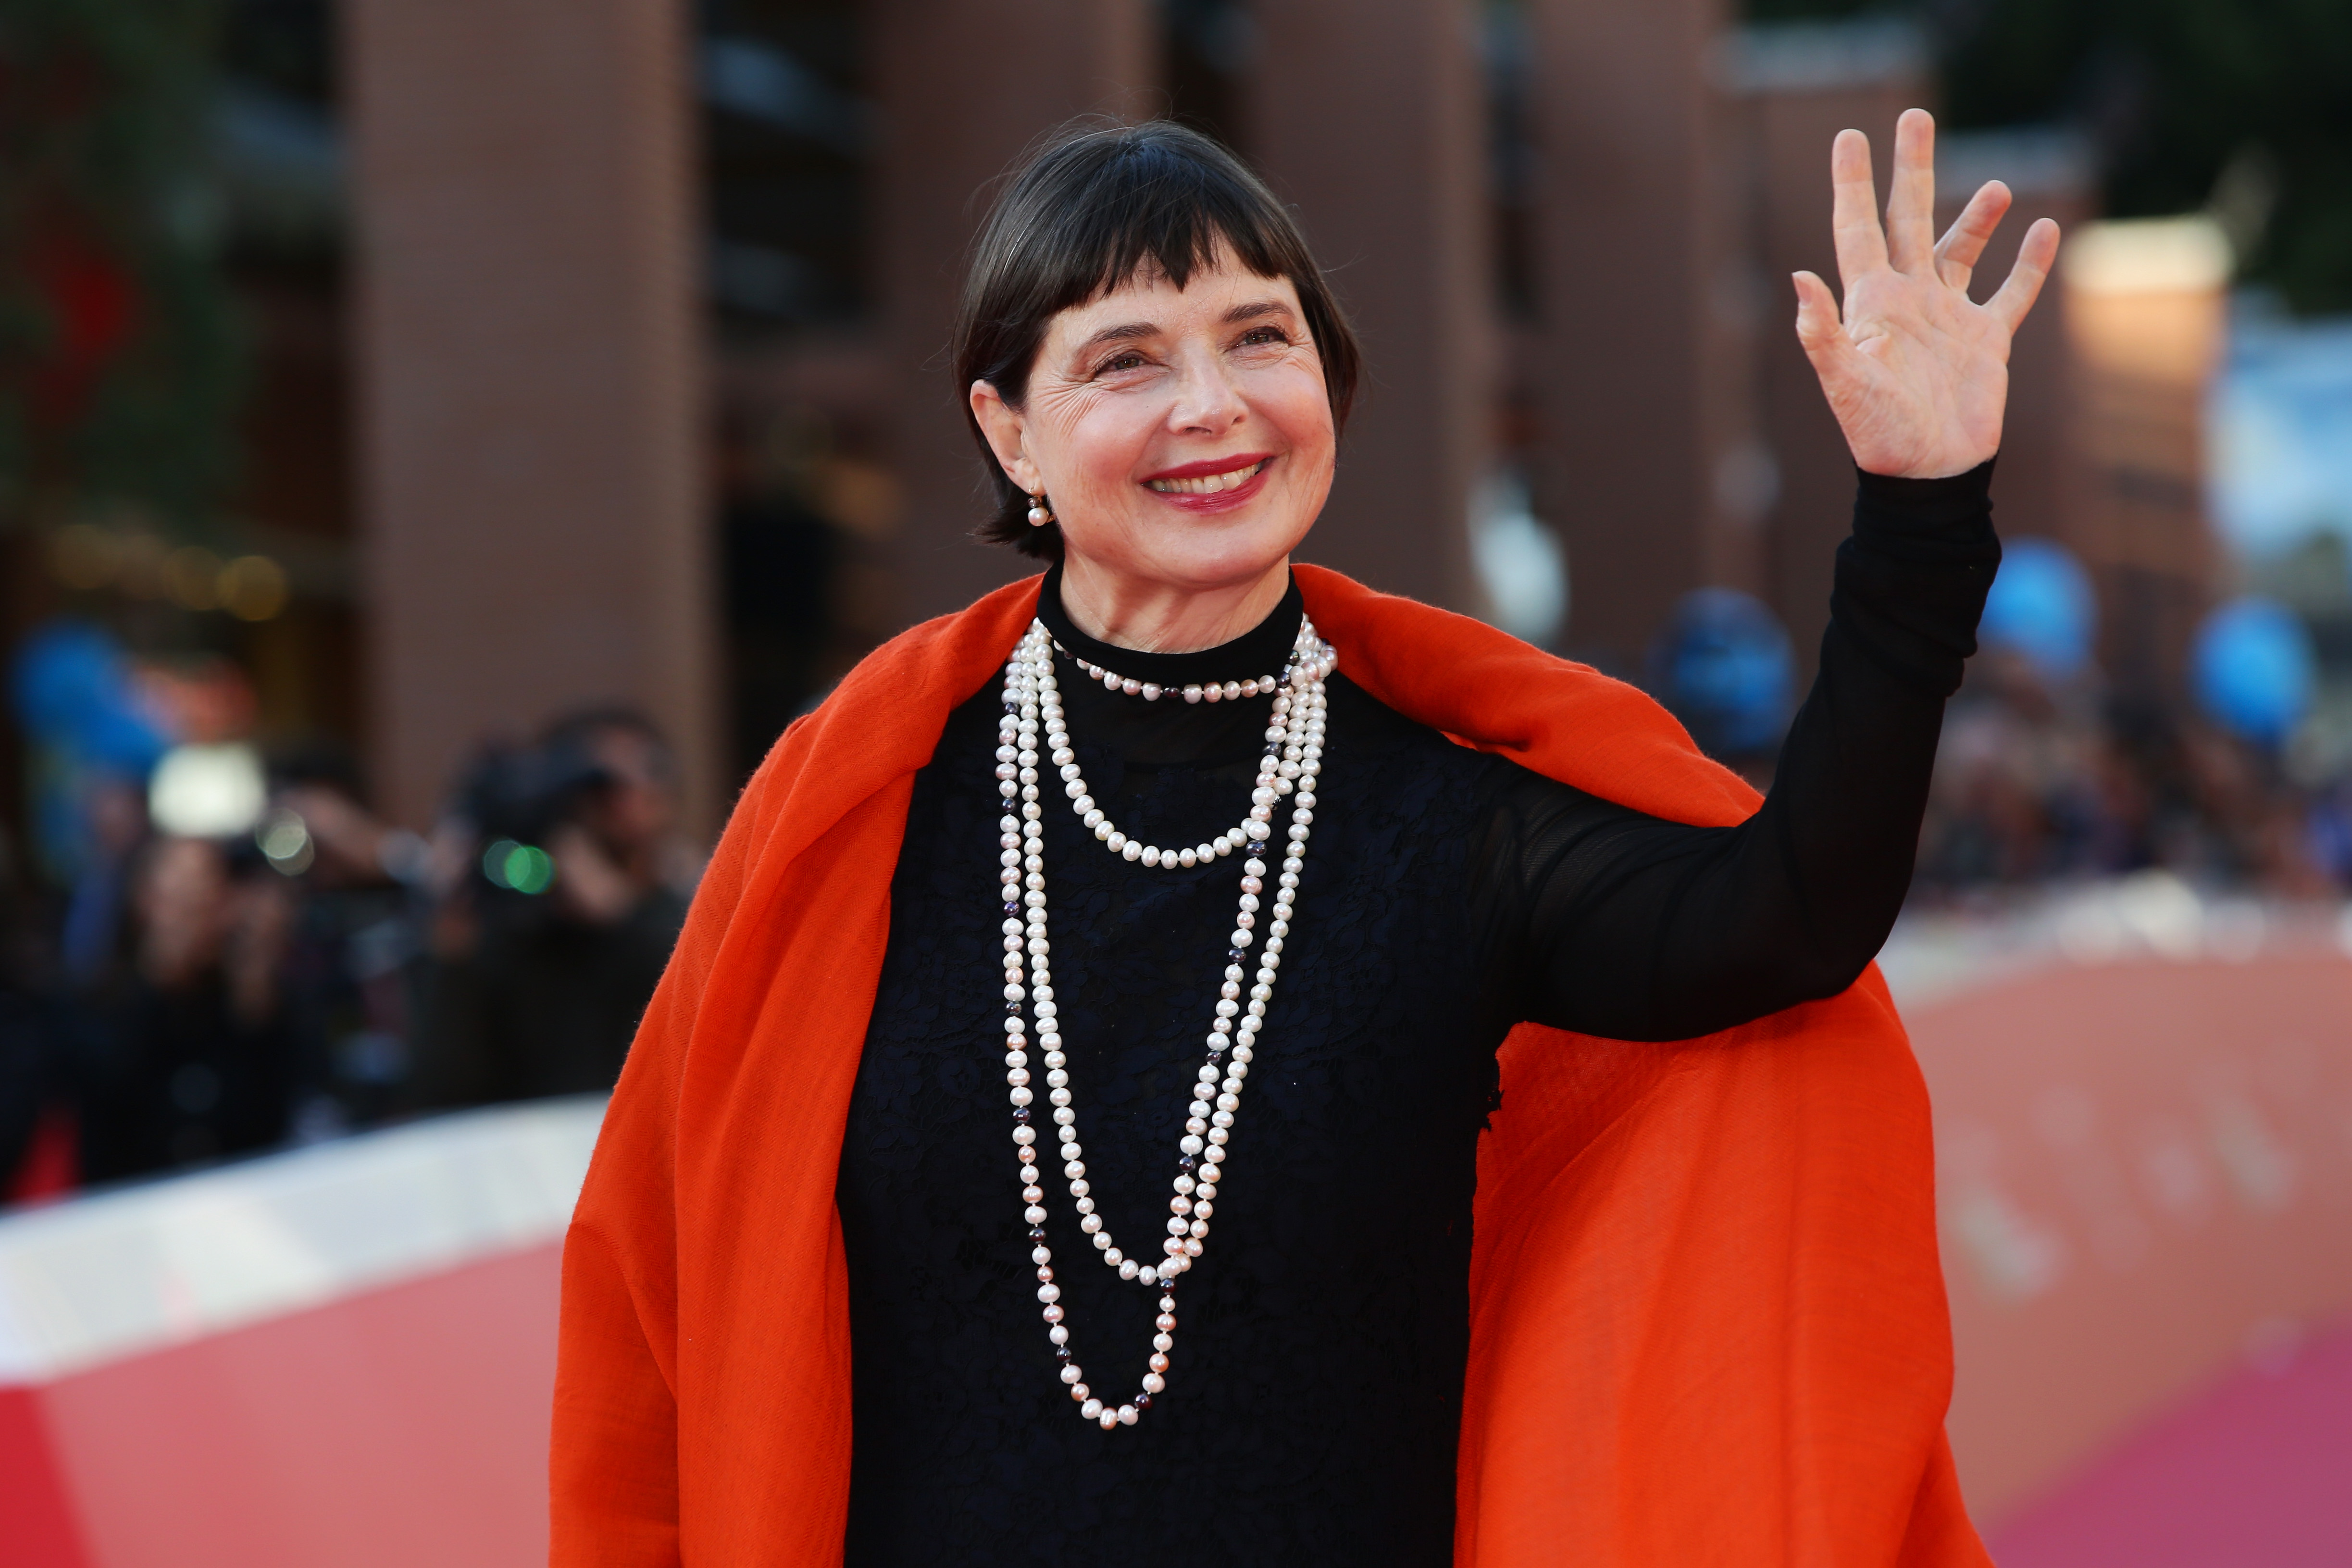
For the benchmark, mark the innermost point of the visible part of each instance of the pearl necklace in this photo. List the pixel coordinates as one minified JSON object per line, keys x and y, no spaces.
{"x":1232,"y":690}
{"x":1293,"y":760}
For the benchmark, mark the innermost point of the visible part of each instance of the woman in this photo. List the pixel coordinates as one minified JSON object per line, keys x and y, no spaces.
{"x":886,"y":1252}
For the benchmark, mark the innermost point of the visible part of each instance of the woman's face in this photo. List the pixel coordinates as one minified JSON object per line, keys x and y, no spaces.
{"x":1182,"y":436}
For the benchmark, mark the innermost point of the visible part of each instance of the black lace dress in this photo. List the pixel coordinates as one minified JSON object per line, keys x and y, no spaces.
{"x":1314,"y":1396}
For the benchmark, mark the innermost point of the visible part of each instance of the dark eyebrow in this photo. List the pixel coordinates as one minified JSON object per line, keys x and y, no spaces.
{"x":1127,"y":332}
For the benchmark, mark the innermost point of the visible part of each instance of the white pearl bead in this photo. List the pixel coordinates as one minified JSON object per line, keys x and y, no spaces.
{"x":1153,"y":1383}
{"x":1091,"y":1408}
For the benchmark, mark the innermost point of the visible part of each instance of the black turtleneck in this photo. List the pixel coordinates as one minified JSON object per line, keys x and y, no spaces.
{"x":1315,"y":1399}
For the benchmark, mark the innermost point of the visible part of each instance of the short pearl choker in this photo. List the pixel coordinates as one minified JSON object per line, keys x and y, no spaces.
{"x":1210,"y":691}
{"x":1293,"y":760}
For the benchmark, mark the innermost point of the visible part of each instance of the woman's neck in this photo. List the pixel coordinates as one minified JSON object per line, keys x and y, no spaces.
{"x":1156,"y":617}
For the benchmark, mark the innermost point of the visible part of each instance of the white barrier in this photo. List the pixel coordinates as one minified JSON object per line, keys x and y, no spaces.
{"x":95,"y":1280}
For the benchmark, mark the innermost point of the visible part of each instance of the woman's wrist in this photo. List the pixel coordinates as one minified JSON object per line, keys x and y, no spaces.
{"x":1945,"y":520}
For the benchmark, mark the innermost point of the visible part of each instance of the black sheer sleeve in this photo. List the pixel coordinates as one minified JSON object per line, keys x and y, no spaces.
{"x":1628,"y":927}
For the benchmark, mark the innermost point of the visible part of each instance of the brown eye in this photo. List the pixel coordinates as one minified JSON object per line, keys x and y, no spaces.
{"x":1265,"y":335}
{"x":1120,"y":362}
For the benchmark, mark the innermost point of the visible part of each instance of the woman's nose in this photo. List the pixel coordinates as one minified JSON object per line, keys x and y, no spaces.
{"x":1206,"y":397}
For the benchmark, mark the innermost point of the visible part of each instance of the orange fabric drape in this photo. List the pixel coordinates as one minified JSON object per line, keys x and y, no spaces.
{"x":1708,"y":1320}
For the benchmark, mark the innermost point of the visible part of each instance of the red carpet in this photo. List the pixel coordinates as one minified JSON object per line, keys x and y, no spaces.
{"x":2256,"y":1473}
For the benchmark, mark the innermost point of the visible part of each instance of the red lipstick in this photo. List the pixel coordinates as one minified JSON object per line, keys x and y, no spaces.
{"x":1208,"y":466}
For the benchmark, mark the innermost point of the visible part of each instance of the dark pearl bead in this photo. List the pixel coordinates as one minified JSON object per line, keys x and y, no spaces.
{"x":1141,"y":1402}
{"x":1036,"y":1233}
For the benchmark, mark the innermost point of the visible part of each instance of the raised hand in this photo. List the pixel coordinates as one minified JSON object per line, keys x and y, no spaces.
{"x":1916,"y":373}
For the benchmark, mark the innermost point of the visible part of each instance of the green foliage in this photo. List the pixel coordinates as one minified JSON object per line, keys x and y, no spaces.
{"x":120,"y":358}
{"x":2249,"y":101}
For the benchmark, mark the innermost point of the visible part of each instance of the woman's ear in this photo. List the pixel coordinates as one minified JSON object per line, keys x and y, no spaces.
{"x":1002,"y":424}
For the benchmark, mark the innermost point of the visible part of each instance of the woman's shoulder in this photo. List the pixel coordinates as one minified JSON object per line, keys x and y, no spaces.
{"x":1362,"y":726}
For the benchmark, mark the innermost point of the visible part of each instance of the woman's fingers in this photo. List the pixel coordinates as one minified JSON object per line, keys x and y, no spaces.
{"x":1853,"y":213}
{"x":1911,"y":199}
{"x":1964,"y":242}
{"x":2035,"y":256}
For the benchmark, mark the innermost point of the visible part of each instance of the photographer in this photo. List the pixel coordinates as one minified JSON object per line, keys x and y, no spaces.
{"x":570,"y":893}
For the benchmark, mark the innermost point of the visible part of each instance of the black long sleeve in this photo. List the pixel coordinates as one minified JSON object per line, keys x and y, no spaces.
{"x":1446,"y":895}
{"x":1639,"y":929}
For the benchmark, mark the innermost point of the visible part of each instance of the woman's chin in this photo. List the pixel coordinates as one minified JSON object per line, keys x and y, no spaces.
{"x":1207,"y":565}
{"x":1219,"y":549}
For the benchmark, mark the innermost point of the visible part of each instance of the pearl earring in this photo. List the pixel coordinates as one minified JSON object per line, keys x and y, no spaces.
{"x":1040,"y":514}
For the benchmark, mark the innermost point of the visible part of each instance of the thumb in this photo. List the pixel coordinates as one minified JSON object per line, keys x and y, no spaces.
{"x":1818,"y":328}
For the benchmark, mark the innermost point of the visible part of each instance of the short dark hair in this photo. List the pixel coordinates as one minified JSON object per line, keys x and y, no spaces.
{"x":1092,"y":205}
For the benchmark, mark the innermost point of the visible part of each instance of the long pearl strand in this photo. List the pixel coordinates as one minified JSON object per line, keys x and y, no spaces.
{"x":1293,"y":760}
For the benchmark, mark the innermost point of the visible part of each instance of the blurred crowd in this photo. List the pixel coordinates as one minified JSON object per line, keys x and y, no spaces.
{"x":169,"y":998}
{"x":2039,"y":780}
{"x":2049,"y":771}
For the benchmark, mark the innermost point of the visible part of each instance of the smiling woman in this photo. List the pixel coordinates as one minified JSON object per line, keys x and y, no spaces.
{"x":1569,"y":1175}
{"x":1157,"y":365}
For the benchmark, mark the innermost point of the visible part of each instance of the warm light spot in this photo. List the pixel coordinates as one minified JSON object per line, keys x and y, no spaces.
{"x":85,"y":556}
{"x":143,"y":565}
{"x":253,"y":587}
{"x":194,"y":574}
{"x":2150,"y":256}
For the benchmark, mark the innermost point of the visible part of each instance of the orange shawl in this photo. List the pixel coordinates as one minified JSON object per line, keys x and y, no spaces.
{"x":1707,"y":1321}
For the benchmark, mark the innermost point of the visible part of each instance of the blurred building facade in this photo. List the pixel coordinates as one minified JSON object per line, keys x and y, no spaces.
{"x":1586,"y":291}
{"x":617,"y":374}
